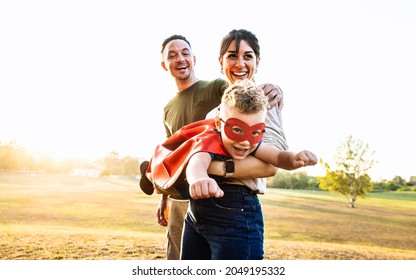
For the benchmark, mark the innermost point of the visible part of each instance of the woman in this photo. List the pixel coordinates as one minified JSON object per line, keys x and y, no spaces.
{"x":231,"y":226}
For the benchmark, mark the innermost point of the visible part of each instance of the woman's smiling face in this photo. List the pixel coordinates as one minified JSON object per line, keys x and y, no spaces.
{"x":241,"y":65}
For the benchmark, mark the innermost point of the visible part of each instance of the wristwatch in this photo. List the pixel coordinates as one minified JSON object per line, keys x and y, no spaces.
{"x":229,"y":168}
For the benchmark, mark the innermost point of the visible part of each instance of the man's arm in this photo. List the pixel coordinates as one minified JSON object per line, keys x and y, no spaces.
{"x":250,"y":167}
{"x":162,"y":217}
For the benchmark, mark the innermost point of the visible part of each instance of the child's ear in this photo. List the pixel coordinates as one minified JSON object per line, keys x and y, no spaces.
{"x":218,"y":123}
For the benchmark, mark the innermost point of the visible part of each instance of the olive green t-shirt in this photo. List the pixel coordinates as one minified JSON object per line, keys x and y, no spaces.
{"x":192,"y":104}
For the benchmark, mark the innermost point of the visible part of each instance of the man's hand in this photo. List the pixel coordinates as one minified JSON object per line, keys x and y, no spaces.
{"x":162,"y":211}
{"x":205,"y":188}
{"x":274,"y":94}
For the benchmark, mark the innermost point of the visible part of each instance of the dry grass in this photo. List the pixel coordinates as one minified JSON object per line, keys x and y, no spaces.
{"x":63,"y":217}
{"x":305,"y":250}
{"x":386,"y":221}
{"x":50,"y":243}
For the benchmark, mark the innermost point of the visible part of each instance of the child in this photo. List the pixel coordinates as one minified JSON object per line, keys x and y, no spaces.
{"x":235,"y":133}
{"x":224,"y":218}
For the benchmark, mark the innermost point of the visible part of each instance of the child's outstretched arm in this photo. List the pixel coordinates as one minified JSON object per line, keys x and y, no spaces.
{"x":200,"y":184}
{"x":285,"y":159}
{"x":302,"y":159}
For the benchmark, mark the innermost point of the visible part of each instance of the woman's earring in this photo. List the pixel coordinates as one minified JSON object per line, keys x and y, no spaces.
{"x":222,"y":71}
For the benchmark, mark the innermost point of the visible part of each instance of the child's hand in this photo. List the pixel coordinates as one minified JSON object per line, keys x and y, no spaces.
{"x":304,"y":158}
{"x":205,"y":188}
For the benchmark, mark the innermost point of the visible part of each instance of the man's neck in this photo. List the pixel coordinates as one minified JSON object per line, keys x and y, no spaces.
{"x":184,"y":84}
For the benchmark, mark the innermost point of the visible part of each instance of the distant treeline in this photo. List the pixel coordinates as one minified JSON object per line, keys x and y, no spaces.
{"x":301,"y":181}
{"x":14,"y":158}
{"x":17,"y":159}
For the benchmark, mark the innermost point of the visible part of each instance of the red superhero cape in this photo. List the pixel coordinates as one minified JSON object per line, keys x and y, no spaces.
{"x":170,"y":158}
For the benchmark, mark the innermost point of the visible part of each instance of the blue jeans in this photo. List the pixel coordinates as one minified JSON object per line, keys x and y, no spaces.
{"x":227,"y":228}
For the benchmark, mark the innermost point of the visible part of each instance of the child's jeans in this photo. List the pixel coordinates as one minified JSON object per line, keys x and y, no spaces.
{"x":226,"y":228}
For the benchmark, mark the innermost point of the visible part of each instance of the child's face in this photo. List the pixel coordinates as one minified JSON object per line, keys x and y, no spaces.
{"x":241,"y":132}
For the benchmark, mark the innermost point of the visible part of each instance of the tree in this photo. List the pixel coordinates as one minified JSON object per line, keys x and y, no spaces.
{"x":113,"y":165}
{"x":296,"y":180}
{"x":13,"y":157}
{"x":131,"y":166}
{"x":353,"y":159}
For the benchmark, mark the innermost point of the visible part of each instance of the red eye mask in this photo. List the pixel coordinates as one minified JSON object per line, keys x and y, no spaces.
{"x":239,"y":131}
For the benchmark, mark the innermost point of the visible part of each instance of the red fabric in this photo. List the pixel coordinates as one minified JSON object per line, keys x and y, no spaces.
{"x":171,"y":157}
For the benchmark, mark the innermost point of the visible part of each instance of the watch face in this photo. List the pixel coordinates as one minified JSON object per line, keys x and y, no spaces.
{"x":229,"y":166}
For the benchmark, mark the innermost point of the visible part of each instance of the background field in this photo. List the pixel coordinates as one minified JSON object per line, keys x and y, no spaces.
{"x":67,"y":217}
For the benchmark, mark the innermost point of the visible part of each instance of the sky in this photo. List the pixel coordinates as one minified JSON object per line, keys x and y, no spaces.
{"x":81,"y":79}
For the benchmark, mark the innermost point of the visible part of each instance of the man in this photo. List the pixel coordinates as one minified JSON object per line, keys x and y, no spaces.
{"x":194,"y":100}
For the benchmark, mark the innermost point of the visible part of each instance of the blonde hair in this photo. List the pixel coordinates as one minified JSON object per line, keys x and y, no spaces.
{"x":245,"y":96}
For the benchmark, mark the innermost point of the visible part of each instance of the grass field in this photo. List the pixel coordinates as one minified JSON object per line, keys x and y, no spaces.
{"x":66,"y":217}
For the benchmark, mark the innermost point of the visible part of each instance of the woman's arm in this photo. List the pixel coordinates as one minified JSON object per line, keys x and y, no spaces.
{"x":250,"y":167}
{"x":274,"y":95}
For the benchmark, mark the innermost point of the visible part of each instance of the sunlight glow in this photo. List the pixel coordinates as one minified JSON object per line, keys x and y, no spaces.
{"x":83,"y":82}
